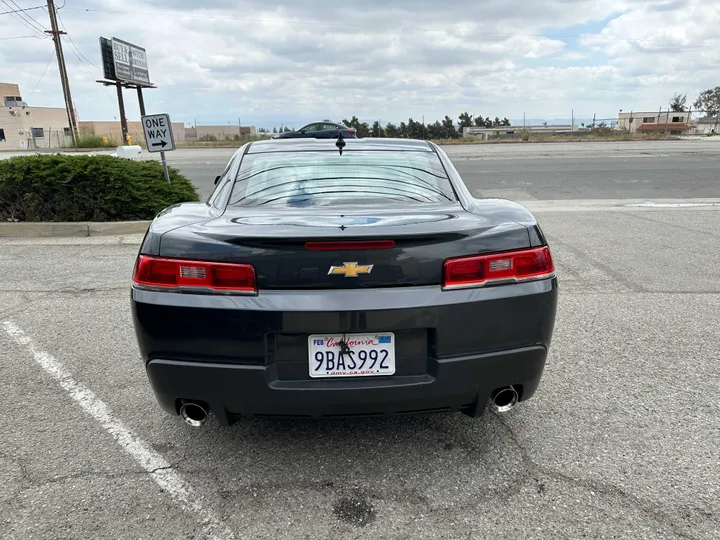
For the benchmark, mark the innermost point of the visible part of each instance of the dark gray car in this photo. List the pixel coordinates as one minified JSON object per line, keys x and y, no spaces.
{"x":320,"y":283}
{"x":319,"y":130}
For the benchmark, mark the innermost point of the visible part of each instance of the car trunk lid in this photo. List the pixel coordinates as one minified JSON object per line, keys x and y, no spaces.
{"x":327,"y":249}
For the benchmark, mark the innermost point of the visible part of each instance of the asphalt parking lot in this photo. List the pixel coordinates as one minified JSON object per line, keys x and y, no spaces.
{"x":620,"y":441}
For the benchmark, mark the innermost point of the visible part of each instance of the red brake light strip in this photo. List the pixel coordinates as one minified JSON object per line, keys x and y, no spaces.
{"x":350,"y":245}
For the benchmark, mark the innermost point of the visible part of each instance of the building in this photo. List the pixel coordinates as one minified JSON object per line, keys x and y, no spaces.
{"x":22,"y":126}
{"x":674,"y":123}
{"x":501,"y":132}
{"x":710,"y":125}
{"x":219,"y":133}
{"x":113,"y":131}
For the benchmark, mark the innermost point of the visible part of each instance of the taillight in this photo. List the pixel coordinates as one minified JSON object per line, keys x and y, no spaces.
{"x":496,"y":268}
{"x":181,"y":274}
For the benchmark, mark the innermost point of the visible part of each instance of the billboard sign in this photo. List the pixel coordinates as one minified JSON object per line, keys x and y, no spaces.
{"x":129,"y":62}
{"x":108,"y":62}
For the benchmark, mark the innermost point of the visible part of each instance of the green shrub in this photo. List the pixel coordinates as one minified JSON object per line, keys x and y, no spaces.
{"x":87,"y":188}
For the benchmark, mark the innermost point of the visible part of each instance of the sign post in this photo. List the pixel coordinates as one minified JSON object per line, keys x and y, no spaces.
{"x":159,"y":136}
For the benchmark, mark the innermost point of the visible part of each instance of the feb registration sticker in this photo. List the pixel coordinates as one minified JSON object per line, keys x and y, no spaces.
{"x":351,"y":355}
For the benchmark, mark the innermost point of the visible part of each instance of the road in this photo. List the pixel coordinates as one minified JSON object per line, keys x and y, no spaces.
{"x":540,"y":171}
{"x":620,"y":441}
{"x":590,"y":170}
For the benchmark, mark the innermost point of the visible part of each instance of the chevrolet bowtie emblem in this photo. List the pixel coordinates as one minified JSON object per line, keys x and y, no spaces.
{"x":350,"y":269}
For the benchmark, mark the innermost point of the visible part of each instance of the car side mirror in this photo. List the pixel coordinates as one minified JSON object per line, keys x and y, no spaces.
{"x":217,"y":179}
{"x":302,"y":131}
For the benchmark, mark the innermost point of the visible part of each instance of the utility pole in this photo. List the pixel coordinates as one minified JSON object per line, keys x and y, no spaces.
{"x":56,"y":33}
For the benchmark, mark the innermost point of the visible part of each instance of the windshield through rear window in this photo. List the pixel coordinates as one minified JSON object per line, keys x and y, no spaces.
{"x":327,"y":179}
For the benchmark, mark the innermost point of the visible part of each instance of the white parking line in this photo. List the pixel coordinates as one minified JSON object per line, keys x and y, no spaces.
{"x":156,"y":466}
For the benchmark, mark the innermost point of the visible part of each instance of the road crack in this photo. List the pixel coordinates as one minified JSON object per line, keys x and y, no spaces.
{"x":650,"y":509}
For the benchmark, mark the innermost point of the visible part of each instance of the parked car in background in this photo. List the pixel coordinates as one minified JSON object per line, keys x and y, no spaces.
{"x":319,"y":130}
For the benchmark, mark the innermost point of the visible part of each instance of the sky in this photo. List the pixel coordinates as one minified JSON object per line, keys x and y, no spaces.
{"x":273,"y":62}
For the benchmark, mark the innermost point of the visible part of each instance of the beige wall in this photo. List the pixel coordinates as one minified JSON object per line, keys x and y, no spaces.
{"x":219,"y":132}
{"x":8,"y":89}
{"x":638,"y":119}
{"x":706,"y":126}
{"x":17,"y":124}
{"x":113,"y":131}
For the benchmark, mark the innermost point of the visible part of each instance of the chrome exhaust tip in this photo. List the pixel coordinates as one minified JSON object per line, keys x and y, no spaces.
{"x":193,"y":414}
{"x":503,"y":399}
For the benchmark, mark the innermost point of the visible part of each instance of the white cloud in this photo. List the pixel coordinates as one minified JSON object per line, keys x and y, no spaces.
{"x":294,"y":60}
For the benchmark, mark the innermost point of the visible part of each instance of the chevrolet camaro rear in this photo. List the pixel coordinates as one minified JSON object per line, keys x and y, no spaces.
{"x":335,"y":280}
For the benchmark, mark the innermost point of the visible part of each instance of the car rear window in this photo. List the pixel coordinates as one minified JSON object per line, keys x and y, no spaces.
{"x":296,"y":179}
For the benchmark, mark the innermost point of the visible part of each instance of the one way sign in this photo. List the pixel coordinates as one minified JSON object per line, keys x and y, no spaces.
{"x":158,"y":133}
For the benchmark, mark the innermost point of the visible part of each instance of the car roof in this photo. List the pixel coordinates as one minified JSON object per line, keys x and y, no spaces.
{"x":320,"y":145}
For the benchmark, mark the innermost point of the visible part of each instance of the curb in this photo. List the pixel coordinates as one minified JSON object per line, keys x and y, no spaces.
{"x":78,"y":229}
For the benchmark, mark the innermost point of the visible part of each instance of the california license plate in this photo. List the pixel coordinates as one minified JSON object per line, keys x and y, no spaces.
{"x":365,"y":355}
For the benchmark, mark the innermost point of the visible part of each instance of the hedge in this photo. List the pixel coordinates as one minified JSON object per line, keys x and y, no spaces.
{"x":87,"y":188}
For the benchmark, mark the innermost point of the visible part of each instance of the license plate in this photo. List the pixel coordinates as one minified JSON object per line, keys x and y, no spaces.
{"x":369,"y":355}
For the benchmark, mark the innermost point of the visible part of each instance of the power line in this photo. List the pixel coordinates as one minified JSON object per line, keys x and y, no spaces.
{"x":375,"y":27}
{"x":23,"y":37}
{"x":74,"y":49}
{"x":22,"y":13}
{"x":72,"y":43}
{"x":17,"y":16}
{"x":43,"y":74}
{"x":20,"y":10}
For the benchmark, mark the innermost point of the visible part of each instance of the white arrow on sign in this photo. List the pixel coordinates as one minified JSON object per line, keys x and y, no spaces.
{"x":158,"y":132}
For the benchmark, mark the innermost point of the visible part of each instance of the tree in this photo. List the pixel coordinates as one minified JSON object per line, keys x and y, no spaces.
{"x":392,"y":131}
{"x":677,"y":103}
{"x":274,"y":130}
{"x":709,"y":101}
{"x":415,"y":130}
{"x":479,"y":121}
{"x":435,"y":131}
{"x":465,"y":120}
{"x":505,"y":122}
{"x":377,"y":130}
{"x":449,"y":128}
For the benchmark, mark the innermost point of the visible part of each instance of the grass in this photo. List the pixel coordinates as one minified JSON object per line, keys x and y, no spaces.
{"x":227,"y":142}
{"x":561,"y":138}
{"x":92,"y":141}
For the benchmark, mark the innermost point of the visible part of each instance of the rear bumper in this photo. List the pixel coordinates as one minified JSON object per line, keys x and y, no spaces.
{"x":249,"y":355}
{"x":457,"y":384}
